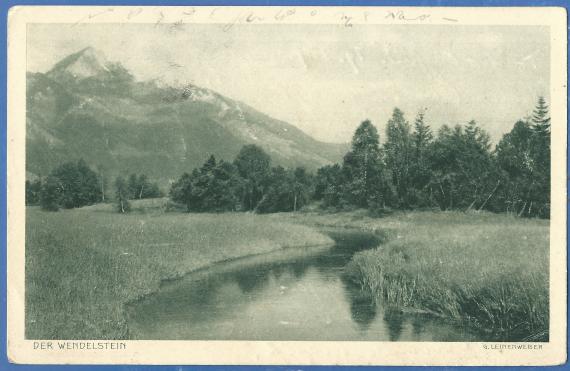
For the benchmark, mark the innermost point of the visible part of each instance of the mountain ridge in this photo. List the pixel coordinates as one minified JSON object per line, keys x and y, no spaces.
{"x":87,"y":107}
{"x":86,"y":62}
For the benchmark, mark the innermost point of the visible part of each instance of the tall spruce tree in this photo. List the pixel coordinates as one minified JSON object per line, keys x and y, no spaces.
{"x":541,"y":156}
{"x":420,"y":172}
{"x":541,"y":117}
{"x":523,"y":156}
{"x":398,"y":149}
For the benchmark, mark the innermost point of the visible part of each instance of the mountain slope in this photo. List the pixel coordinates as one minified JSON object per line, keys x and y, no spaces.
{"x":86,"y":107}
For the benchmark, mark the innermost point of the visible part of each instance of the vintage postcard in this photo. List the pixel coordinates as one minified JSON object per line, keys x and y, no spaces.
{"x":287,"y":185}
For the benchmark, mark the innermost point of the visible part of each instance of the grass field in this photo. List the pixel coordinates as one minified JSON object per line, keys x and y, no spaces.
{"x":83,"y":265}
{"x":489,"y":271}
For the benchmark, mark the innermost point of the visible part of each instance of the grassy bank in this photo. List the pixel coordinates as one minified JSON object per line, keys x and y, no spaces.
{"x":488,"y":271}
{"x":83,"y":265}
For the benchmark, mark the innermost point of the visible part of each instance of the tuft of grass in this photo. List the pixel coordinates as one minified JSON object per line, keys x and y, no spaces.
{"x":485,"y":270}
{"x":83,"y":265}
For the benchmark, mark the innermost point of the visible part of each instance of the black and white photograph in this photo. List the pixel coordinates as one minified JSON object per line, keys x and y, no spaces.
{"x":263,"y":179}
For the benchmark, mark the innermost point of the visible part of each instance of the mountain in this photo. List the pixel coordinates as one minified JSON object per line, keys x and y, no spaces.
{"x":87,"y":107}
{"x":83,"y":64}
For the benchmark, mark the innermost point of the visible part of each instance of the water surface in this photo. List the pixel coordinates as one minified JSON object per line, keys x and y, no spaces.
{"x":292,"y":294}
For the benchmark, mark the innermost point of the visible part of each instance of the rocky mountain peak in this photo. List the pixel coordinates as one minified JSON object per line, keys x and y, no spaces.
{"x":91,"y":108}
{"x":85,"y":63}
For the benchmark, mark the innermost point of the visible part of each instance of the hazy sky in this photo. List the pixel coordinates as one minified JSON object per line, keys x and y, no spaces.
{"x":326,"y":79}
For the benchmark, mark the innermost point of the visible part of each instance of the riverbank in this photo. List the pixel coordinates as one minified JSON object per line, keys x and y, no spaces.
{"x":83,"y":265}
{"x":484,"y":270}
{"x":487,"y":271}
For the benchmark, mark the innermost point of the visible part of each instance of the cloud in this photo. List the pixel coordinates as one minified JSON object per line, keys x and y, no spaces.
{"x":326,"y":79}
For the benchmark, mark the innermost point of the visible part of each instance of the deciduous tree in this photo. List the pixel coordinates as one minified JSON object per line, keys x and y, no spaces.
{"x":253,"y":165}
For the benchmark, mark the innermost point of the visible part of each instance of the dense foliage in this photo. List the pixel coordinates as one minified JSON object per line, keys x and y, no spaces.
{"x":75,"y":184}
{"x":455,"y":169}
{"x":247,"y":184}
{"x":33,"y":189}
{"x":216,"y":186}
{"x":139,"y":187}
{"x":72,"y":184}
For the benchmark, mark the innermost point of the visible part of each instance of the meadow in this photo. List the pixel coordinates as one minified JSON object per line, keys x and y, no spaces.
{"x":487,"y":271}
{"x":83,"y":265}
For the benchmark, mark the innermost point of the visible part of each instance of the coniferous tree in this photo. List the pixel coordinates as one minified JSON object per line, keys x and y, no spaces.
{"x":523,"y":157}
{"x":420,"y":172}
{"x":455,"y":170}
{"x":181,"y":191}
{"x":398,"y":149}
{"x":541,"y":156}
{"x":541,"y":118}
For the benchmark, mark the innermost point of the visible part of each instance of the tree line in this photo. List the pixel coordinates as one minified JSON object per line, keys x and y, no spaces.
{"x":415,"y":168}
{"x":455,"y":168}
{"x":249,"y":183}
{"x":75,"y":184}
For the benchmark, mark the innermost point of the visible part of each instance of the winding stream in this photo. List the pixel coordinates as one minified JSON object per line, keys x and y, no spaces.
{"x":291,"y":294}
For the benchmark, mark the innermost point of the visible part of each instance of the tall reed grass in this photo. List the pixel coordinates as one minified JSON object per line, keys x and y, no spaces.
{"x":487,"y":271}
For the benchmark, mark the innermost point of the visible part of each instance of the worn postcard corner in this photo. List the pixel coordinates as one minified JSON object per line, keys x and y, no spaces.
{"x":287,"y":185}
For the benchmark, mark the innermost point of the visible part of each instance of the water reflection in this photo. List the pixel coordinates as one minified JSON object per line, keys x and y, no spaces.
{"x":418,"y":324}
{"x":296,"y":294}
{"x":249,"y":281}
{"x":395,"y":323}
{"x":363,"y":311}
